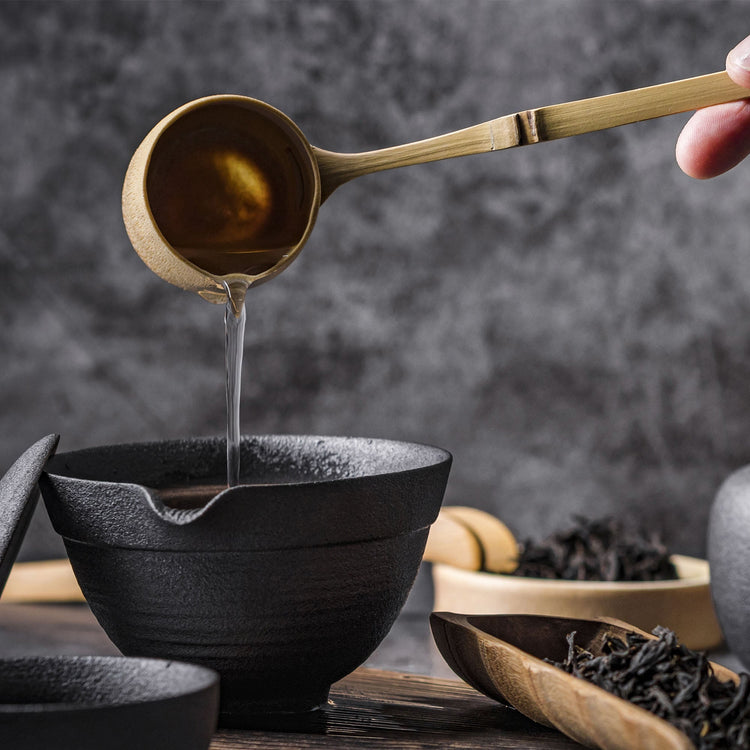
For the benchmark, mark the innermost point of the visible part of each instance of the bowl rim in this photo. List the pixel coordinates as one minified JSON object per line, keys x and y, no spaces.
{"x":433,"y":455}
{"x":397,"y":486}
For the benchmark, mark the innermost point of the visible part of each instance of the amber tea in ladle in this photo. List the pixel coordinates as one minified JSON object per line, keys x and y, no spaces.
{"x":230,"y":189}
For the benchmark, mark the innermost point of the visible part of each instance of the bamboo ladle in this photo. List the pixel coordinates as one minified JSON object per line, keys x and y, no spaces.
{"x":224,"y":191}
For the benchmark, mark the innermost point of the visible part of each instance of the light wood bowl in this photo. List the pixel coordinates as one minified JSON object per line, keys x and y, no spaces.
{"x":683,"y":605}
{"x":503,"y":656}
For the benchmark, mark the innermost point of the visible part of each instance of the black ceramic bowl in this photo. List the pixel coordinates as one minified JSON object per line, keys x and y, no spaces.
{"x":95,"y":702}
{"x":283,"y":586}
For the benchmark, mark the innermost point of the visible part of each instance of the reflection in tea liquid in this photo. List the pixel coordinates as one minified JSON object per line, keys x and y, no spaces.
{"x":234,"y":328}
{"x":232,"y":197}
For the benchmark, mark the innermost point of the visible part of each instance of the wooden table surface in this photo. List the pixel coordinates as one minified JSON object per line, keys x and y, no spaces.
{"x":370,"y":708}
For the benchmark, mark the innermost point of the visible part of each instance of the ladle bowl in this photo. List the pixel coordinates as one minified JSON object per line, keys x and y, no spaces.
{"x":223,"y":189}
{"x":226,"y":189}
{"x":283,"y":585}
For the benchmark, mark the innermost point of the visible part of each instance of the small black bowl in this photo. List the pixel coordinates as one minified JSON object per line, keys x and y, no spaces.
{"x":113,"y":702}
{"x":283,"y":585}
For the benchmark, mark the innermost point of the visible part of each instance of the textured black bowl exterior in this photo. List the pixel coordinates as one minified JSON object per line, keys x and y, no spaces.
{"x":283,"y":587}
{"x":96,"y":702}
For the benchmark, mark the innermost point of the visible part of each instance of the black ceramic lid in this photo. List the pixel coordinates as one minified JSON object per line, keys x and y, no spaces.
{"x":112,"y":702}
{"x":18,"y":497}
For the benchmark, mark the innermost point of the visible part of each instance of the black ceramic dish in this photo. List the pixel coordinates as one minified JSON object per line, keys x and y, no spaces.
{"x":96,"y":702}
{"x":283,"y":586}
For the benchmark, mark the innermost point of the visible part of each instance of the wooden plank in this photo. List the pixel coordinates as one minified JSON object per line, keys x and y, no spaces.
{"x":377,"y":709}
{"x":49,"y":629}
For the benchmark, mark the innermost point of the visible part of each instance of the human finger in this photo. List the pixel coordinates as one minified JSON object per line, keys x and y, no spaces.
{"x":714,"y":140}
{"x":738,"y":63}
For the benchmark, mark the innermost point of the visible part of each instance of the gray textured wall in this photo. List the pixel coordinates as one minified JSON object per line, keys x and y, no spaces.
{"x":571,"y":320}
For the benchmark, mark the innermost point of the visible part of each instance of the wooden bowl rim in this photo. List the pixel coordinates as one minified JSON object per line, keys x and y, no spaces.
{"x":535,"y":586}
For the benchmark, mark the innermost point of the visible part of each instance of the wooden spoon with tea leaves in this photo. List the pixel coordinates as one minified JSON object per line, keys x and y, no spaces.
{"x":226,"y":189}
{"x":503,"y":657}
{"x":471,"y":539}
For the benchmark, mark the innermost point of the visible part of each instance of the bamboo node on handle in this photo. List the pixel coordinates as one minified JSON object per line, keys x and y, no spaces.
{"x":530,"y":127}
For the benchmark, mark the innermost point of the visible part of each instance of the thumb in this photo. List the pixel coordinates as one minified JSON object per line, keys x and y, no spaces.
{"x":738,"y":63}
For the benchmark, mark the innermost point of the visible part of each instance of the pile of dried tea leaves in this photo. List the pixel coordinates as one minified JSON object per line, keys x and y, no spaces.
{"x":596,"y":550}
{"x":678,"y":684}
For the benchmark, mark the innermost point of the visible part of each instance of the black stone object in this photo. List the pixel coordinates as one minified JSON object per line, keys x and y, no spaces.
{"x":95,"y":702}
{"x":729,"y":561}
{"x":18,"y":497}
{"x":283,"y":585}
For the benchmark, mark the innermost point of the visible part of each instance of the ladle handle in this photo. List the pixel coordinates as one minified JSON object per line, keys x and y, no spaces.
{"x":537,"y":125}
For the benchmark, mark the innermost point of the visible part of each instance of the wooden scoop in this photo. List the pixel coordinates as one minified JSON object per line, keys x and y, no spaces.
{"x":503,"y":656}
{"x":471,"y":539}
